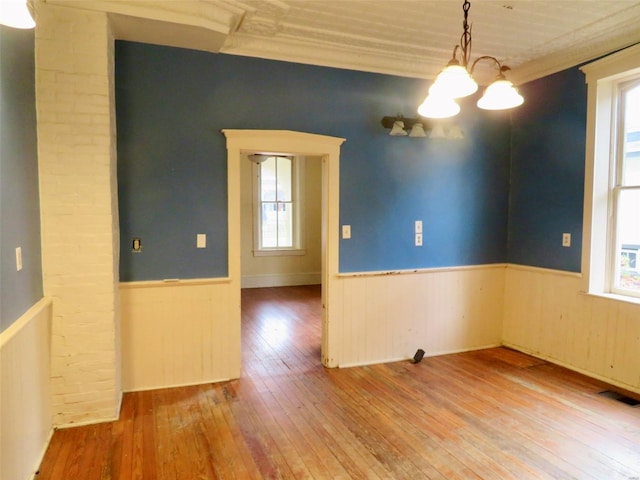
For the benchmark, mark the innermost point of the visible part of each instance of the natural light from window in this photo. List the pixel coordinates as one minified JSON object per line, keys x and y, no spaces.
{"x":276,"y":203}
{"x":627,"y":193}
{"x":611,"y":234}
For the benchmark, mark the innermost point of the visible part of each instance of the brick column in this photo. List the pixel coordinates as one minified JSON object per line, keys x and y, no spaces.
{"x":78,"y":194}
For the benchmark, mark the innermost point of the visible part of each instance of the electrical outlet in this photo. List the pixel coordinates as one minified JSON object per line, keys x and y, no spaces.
{"x":346,"y":232}
{"x":418,"y":239}
{"x":566,"y":239}
{"x":18,"y":259}
{"x":201,"y":240}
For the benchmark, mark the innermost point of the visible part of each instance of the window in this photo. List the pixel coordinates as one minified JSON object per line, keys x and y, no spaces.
{"x":612,"y":189}
{"x":626,"y":191}
{"x":278,"y":206}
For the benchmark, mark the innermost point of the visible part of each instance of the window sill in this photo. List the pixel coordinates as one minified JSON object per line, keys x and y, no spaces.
{"x":280,"y":253}
{"x":613,"y":296}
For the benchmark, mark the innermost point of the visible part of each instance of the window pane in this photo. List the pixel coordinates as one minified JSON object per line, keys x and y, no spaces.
{"x":284,"y":179}
{"x":268,"y":180}
{"x":269,"y":225}
{"x":628,"y":241}
{"x":285,"y":225}
{"x":276,"y":219}
{"x":631,"y":148}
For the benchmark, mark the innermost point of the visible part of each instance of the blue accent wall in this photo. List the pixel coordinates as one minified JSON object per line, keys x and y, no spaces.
{"x":547,"y":172}
{"x":173,"y":103}
{"x":19,"y":200}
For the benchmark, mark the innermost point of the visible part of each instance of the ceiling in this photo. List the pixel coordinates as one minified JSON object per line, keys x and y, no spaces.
{"x":413,"y":38}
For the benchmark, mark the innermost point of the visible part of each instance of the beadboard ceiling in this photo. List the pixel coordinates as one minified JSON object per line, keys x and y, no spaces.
{"x":413,"y":38}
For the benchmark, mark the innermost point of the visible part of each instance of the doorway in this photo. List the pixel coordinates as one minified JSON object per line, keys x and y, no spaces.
{"x":243,"y":142}
{"x":281,"y":258}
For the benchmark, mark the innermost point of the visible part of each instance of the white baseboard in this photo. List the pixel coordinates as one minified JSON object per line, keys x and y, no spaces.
{"x":426,"y":355}
{"x":281,"y":280}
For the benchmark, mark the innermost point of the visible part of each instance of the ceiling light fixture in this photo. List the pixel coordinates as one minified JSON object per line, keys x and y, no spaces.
{"x":16,"y":14}
{"x":456,"y":81}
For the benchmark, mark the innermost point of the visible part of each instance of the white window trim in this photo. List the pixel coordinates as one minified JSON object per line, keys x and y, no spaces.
{"x":602,"y":76}
{"x":298,"y":193}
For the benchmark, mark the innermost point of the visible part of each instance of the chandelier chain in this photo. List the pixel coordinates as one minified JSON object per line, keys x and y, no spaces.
{"x":465,"y":40}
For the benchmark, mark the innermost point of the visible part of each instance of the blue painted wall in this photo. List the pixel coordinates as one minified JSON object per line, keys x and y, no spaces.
{"x":172,"y":104}
{"x":547,"y":172}
{"x":19,"y":201}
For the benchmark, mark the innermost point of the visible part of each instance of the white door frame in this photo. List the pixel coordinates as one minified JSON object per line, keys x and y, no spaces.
{"x":298,"y":143}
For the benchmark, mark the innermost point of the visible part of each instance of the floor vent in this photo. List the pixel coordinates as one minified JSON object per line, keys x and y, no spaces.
{"x":620,"y":398}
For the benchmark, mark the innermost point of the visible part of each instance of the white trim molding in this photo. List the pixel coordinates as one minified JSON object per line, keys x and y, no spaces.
{"x":241,"y":142}
{"x":601,"y":77}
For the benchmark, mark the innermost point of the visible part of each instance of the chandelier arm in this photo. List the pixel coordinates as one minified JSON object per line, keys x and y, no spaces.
{"x":454,"y":55}
{"x":488,"y":57}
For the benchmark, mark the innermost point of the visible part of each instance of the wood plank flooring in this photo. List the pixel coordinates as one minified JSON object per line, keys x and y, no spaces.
{"x":491,"y":414}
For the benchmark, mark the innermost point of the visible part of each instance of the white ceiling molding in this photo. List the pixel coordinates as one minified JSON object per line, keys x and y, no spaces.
{"x":136,"y":29}
{"x":608,"y":35}
{"x":195,"y":24}
{"x":411,"y":38}
{"x":335,"y":56}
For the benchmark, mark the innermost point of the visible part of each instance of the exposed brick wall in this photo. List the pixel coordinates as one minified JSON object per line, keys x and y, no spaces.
{"x":78,"y":192}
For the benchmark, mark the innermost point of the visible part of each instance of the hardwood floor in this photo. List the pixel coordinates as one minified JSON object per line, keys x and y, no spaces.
{"x":491,"y":414}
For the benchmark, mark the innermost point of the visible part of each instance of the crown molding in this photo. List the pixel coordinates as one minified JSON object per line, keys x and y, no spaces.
{"x":237,"y":28}
{"x":620,"y":31}
{"x":198,"y":14}
{"x":195,"y":25}
{"x":623,"y":63}
{"x":334,"y":56}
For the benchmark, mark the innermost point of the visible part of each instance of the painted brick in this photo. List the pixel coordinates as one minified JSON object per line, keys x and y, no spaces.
{"x":77,"y":180}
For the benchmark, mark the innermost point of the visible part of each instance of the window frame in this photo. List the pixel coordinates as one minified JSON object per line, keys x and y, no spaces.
{"x":297,"y":201}
{"x":619,"y":186}
{"x":604,"y":79}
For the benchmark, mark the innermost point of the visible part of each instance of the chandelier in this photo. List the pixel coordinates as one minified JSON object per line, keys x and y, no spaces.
{"x":456,"y":81}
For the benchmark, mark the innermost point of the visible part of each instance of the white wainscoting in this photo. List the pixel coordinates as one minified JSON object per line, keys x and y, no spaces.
{"x":186,"y":333}
{"x":25,"y":397}
{"x":387,"y":316}
{"x":548,"y":316}
{"x":179,"y":333}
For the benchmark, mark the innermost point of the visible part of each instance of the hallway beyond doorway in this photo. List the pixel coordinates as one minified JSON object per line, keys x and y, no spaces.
{"x":281,"y":330}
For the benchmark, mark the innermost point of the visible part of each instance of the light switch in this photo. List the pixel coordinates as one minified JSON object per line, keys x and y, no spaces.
{"x":201,"y":240}
{"x":418,"y":226}
{"x":18,"y":259}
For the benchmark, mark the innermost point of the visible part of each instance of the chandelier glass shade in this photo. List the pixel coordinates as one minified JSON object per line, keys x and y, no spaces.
{"x":456,"y":81}
{"x":500,"y":95}
{"x":16,"y":14}
{"x":438,"y":106}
